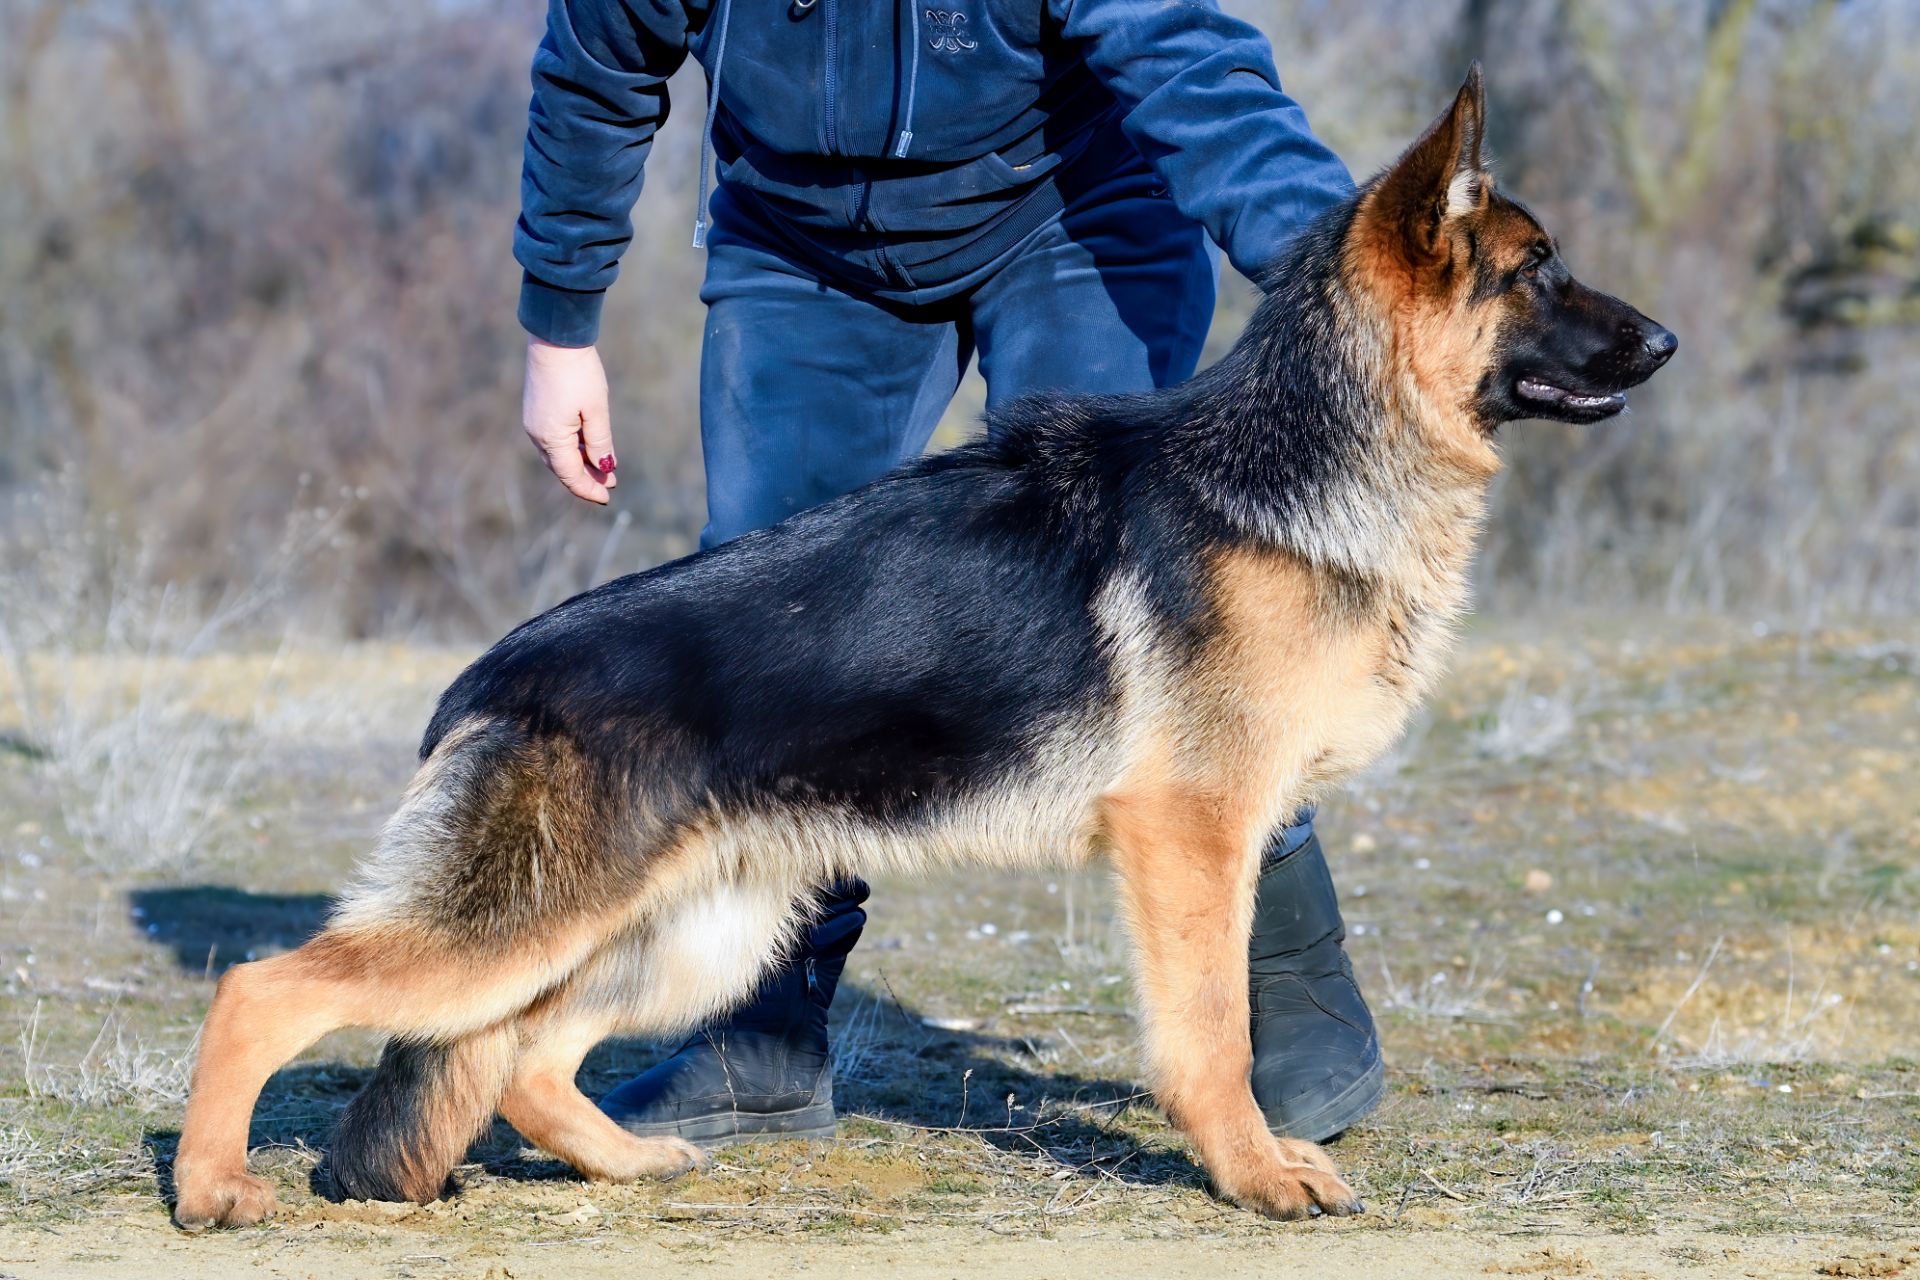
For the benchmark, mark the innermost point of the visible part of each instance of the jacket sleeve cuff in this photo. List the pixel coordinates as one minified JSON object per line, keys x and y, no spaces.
{"x":564,"y":317}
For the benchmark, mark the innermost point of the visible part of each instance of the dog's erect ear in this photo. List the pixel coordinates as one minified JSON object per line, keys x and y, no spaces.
{"x":1439,"y":178}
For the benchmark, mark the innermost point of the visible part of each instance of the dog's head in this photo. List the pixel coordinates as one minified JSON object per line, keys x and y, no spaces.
{"x":1483,"y":313}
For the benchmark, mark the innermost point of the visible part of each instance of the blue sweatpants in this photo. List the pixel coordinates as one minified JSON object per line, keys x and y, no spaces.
{"x":808,"y":391}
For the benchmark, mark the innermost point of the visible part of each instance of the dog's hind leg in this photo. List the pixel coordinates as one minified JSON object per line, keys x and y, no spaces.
{"x":493,"y":882}
{"x":1187,"y":875}
{"x":700,"y":957}
{"x":263,"y":1014}
{"x":402,"y":1134}
{"x":546,"y":1106}
{"x":393,"y":978}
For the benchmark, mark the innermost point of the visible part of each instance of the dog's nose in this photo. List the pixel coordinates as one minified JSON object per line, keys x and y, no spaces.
{"x":1661,"y":344}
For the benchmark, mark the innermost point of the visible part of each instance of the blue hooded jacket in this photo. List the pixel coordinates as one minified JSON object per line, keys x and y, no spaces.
{"x":895,"y":147}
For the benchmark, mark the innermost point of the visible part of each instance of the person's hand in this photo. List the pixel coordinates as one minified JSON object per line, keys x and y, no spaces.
{"x":564,"y":410}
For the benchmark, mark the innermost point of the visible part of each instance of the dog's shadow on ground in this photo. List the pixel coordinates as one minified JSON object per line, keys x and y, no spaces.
{"x":893,"y":1069}
{"x":212,"y":927}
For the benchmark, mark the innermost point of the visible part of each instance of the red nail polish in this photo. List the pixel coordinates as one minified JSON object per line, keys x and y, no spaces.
{"x":607,"y":463}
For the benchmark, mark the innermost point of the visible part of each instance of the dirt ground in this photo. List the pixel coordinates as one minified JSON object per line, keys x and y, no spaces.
{"x":606,"y":1247}
{"x":1638,"y":907}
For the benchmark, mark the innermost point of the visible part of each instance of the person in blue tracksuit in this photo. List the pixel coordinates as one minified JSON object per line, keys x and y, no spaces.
{"x":901,"y":188}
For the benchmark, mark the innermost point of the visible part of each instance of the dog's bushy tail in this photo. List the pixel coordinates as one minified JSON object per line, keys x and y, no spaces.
{"x":427,"y":1102}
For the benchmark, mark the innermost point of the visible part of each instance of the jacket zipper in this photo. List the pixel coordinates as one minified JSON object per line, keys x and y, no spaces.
{"x":832,"y":71}
{"x":858,"y":193}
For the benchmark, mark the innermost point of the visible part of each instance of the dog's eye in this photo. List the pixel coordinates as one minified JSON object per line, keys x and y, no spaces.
{"x":1541,"y":254}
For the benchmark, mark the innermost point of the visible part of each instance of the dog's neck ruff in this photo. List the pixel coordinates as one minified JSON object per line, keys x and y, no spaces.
{"x":1312,"y":439}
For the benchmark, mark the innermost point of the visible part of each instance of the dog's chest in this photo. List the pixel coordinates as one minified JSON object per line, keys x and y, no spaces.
{"x":1415,"y":637}
{"x":1311,"y":684}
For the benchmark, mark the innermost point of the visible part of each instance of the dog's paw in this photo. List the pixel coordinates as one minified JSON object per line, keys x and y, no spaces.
{"x":1312,"y":1154}
{"x":235,"y":1200}
{"x":1290,"y":1191}
{"x":648,"y":1160}
{"x":672,"y":1157}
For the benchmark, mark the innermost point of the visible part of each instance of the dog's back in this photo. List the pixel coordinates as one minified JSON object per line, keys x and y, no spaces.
{"x":878,"y":661}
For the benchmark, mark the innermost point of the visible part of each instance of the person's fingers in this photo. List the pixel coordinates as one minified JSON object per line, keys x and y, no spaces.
{"x":562,"y":453}
{"x":596,"y":447}
{"x":564,"y":410}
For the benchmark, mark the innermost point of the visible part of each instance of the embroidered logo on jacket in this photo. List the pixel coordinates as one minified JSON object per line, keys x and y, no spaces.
{"x":949,"y":31}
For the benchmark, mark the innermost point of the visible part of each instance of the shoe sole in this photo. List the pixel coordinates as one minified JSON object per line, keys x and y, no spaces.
{"x":1329,"y":1119}
{"x":1324,"y":1123}
{"x":725,"y":1128}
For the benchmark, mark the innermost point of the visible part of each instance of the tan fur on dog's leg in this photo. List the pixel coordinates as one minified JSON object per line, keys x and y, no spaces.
{"x":1187,"y":879}
{"x":395,"y":978}
{"x":548,"y":1109}
{"x":1300,"y":1151}
{"x":262,"y":1015}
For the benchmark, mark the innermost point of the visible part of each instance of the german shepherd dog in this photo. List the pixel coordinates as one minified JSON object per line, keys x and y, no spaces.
{"x":1142,"y":627}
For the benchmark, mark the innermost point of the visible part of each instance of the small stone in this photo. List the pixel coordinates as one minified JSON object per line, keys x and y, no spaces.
{"x":951,"y":1024}
{"x":577,"y":1217}
{"x":1538,"y":881}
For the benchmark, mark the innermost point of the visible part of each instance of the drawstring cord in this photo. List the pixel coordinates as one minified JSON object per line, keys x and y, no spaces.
{"x":713,"y":108}
{"x":913,"y":83}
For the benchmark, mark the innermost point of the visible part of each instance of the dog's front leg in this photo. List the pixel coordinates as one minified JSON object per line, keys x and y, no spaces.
{"x":1187,"y":875}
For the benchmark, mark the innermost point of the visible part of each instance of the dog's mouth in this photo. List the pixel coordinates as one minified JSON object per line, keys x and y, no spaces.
{"x":1563,"y":402}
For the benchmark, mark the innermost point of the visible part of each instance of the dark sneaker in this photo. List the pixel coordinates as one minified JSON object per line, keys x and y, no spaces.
{"x":765,"y":1072}
{"x":1316,"y":1058}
